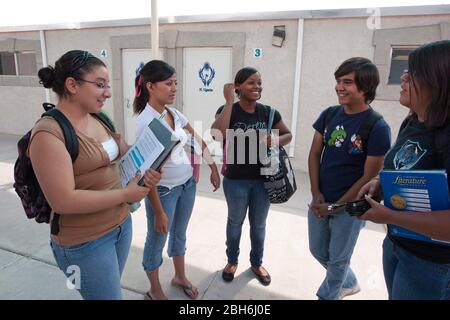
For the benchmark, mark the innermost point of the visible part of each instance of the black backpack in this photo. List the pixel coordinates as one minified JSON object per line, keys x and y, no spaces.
{"x":365,"y":129}
{"x":25,"y":181}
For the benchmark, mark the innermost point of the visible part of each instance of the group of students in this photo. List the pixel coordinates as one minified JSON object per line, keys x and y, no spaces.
{"x":344,"y":165}
{"x":95,"y":227}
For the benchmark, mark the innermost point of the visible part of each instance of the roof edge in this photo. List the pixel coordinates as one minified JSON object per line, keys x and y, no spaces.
{"x":273,"y":15}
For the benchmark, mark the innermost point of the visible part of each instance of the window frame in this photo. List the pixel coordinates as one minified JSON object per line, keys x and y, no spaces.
{"x":16,"y":62}
{"x":391,"y":60}
{"x":386,"y":39}
{"x":15,"y":46}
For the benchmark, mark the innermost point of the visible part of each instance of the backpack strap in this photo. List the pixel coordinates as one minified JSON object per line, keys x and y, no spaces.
{"x":330,"y":112}
{"x":367,"y":127}
{"x":104,"y":119}
{"x":70,"y":136}
{"x":270,"y":122}
{"x":71,"y":140}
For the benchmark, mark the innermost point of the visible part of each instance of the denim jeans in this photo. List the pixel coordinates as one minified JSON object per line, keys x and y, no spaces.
{"x":242,"y":195}
{"x":331,"y":242}
{"x":411,"y":278}
{"x":95,"y":267}
{"x":177,"y":203}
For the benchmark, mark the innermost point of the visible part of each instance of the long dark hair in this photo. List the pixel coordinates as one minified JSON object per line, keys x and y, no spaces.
{"x":153,"y":71}
{"x":429,"y":67}
{"x":74,"y":63}
{"x":367,"y":76}
{"x":242,"y":75}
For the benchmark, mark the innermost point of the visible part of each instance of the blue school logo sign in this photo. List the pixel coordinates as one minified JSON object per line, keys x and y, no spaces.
{"x":206,"y":75}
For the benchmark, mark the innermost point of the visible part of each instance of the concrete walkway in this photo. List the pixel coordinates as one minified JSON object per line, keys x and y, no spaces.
{"x":28,"y":270}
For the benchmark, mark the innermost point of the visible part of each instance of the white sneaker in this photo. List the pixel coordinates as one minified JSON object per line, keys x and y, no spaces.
{"x":349,"y":291}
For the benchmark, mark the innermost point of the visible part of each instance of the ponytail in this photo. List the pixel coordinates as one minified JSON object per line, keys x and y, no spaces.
{"x":141,"y":97}
{"x":153,"y":71}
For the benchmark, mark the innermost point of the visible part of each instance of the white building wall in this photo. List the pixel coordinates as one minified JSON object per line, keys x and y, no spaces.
{"x":327,"y":42}
{"x":17,"y":103}
{"x":278,"y":86}
{"x":277,"y":65}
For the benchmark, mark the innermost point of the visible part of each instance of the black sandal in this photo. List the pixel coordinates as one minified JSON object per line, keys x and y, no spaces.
{"x":264,"y":280}
{"x":228,"y":276}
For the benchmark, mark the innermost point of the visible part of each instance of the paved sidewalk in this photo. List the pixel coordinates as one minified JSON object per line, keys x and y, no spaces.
{"x":28,"y":270}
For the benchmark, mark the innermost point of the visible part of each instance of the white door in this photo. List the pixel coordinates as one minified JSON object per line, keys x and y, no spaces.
{"x":206,"y":70}
{"x":132,"y":62}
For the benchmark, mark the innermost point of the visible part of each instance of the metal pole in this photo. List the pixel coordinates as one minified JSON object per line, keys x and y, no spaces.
{"x":44,"y":61}
{"x":155,"y":30}
{"x":298,"y":72}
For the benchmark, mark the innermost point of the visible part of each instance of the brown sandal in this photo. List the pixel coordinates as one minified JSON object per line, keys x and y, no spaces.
{"x":263,"y":279}
{"x":228,"y":276}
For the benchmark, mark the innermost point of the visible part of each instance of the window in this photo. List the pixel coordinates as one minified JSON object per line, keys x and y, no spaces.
{"x":26,"y":62}
{"x":18,"y":63}
{"x":399,"y":63}
{"x":7,"y":64}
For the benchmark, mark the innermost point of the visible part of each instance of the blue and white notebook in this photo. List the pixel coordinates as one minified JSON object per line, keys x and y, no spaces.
{"x":410,"y":190}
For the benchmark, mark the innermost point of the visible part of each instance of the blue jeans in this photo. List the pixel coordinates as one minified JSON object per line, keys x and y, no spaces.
{"x":411,"y":278}
{"x":177,"y":203}
{"x":95,"y":267}
{"x":331,"y":242}
{"x":242,"y":195}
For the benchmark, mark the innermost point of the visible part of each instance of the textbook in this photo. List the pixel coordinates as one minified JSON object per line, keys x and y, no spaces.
{"x":151,"y":151}
{"x":410,"y":190}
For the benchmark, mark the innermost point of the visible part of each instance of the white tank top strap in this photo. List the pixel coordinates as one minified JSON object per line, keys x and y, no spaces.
{"x":111,"y":148}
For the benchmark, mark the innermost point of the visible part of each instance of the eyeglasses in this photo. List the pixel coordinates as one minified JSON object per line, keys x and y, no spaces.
{"x":99,"y":84}
{"x":405,"y":75}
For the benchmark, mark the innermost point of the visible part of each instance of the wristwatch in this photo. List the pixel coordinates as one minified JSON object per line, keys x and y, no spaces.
{"x":331,"y":207}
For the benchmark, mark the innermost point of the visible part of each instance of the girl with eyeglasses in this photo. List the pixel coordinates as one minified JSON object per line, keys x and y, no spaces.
{"x":90,"y":210}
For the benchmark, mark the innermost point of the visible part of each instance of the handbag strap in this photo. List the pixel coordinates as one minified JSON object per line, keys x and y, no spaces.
{"x":271,"y":116}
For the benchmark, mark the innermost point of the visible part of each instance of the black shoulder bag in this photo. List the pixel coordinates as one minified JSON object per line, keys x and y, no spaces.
{"x":279,"y":178}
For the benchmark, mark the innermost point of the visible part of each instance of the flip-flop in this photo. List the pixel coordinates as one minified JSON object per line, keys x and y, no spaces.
{"x":148,"y":296}
{"x":188,"y":290}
